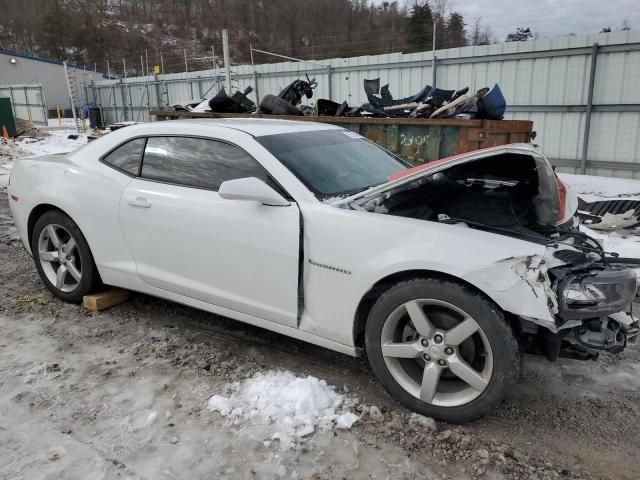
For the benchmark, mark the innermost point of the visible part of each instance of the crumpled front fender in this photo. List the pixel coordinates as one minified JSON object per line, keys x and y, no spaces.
{"x":521,"y":286}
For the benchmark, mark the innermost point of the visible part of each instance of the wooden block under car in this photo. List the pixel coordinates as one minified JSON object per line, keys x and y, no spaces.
{"x":103,"y":300}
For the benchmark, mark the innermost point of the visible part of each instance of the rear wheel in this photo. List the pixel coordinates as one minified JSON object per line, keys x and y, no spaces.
{"x":63,"y":258}
{"x":442,"y":349}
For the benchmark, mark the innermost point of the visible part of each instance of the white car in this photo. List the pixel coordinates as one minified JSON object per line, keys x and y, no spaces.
{"x":444,"y":274}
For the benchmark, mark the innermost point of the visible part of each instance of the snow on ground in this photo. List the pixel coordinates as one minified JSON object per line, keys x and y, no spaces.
{"x":592,"y":188}
{"x":56,"y":142}
{"x":624,"y":242}
{"x":280,"y":406}
{"x":64,"y":122}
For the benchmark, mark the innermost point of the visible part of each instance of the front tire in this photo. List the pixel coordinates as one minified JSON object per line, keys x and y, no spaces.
{"x":442,"y":349}
{"x":63,"y":258}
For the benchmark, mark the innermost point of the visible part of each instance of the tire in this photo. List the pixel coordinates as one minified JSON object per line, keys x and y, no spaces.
{"x":420,"y":366}
{"x":76,"y":257}
{"x":277,"y":106}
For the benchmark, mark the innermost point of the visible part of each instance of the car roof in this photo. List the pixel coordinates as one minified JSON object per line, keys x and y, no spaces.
{"x":257,"y":127}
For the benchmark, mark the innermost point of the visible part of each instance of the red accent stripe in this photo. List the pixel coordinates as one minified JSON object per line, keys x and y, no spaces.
{"x":435,"y":163}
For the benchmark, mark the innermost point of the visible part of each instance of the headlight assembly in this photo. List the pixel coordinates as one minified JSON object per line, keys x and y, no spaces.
{"x":596,"y":293}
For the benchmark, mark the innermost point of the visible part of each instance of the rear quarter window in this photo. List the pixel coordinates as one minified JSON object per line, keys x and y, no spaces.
{"x":127,"y":156}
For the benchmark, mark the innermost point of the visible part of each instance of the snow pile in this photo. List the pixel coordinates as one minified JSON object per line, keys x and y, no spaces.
{"x":291,"y":406}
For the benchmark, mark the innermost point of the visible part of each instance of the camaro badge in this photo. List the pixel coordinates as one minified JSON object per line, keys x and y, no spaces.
{"x":329,"y":267}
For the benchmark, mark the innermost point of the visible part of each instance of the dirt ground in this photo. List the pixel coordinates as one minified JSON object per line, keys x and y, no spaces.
{"x":123,"y":394}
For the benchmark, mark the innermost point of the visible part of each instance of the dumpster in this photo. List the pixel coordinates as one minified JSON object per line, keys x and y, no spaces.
{"x":416,"y":140}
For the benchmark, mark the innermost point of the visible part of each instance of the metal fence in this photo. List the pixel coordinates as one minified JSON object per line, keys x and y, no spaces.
{"x":582,"y":93}
{"x":28,"y":102}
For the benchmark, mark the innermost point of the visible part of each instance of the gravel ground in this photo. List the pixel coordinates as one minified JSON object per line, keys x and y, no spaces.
{"x":123,"y":394}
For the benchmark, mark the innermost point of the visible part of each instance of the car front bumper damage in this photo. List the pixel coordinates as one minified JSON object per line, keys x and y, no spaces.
{"x":588,"y":305}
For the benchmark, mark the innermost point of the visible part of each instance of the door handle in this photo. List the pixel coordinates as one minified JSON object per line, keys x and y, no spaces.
{"x":140,"y":202}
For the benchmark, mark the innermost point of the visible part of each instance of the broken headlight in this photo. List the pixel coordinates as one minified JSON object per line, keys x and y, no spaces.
{"x":596,"y":293}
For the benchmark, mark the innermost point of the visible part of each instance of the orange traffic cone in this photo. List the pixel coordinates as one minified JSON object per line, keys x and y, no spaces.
{"x":5,"y":133}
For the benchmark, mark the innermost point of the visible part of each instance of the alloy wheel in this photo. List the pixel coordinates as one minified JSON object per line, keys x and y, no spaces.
{"x":437,"y":352}
{"x":59,"y":258}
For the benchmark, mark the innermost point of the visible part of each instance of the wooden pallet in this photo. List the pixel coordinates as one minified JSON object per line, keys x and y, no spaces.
{"x":107,"y":299}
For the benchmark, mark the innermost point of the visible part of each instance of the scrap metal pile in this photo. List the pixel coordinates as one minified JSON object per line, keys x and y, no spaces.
{"x":430,"y":102}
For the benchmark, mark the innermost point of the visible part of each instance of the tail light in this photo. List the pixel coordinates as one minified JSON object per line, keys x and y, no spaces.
{"x":568,"y":202}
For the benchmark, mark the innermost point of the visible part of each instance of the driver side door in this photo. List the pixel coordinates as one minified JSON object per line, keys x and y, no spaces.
{"x":186,"y":239}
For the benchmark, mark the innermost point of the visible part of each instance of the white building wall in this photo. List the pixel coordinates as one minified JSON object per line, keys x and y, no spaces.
{"x":49,"y":74}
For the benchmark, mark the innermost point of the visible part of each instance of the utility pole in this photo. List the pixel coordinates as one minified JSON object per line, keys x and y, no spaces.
{"x":433,"y":44}
{"x":213,"y":57}
{"x":433,"y":54}
{"x":225,"y":53}
{"x":123,"y":91}
{"x":146,"y":57}
{"x":186,"y":65}
{"x":161,"y":63}
{"x":255,"y":76}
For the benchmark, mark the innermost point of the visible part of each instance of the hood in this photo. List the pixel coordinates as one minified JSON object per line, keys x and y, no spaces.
{"x":554,"y":202}
{"x":411,"y":174}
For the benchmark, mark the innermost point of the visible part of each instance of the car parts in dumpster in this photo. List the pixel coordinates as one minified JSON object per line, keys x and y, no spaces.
{"x":433,"y":102}
{"x":287,"y":101}
{"x":236,"y":103}
{"x":430,"y":102}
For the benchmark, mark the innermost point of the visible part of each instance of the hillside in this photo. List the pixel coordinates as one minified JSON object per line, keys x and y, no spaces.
{"x":94,"y":31}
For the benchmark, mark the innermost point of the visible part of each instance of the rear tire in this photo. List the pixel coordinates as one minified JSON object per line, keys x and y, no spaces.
{"x":431,"y":366}
{"x":63,"y":258}
{"x":277,"y":106}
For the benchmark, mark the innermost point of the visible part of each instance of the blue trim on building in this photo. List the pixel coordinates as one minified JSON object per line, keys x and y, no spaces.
{"x":51,"y":60}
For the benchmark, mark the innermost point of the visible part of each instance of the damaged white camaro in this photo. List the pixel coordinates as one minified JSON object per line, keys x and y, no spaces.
{"x":444,"y":274}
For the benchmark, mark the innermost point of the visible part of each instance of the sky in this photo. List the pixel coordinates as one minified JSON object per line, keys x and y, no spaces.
{"x":549,"y":18}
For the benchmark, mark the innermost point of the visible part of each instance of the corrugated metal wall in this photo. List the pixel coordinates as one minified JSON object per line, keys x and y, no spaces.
{"x":546,"y":81}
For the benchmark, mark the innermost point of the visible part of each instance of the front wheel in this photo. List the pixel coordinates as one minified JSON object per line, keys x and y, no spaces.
{"x":63,"y":258}
{"x":442,"y":349}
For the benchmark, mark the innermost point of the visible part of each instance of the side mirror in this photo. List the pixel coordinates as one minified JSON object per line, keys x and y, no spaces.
{"x":251,"y":189}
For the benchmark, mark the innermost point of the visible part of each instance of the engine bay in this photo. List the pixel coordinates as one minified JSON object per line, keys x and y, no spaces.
{"x":506,"y":191}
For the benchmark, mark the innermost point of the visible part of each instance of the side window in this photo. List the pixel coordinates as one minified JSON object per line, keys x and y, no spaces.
{"x":127,"y":157}
{"x":196,"y":162}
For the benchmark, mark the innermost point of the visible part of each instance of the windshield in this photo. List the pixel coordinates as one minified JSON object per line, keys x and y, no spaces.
{"x":333,"y":163}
